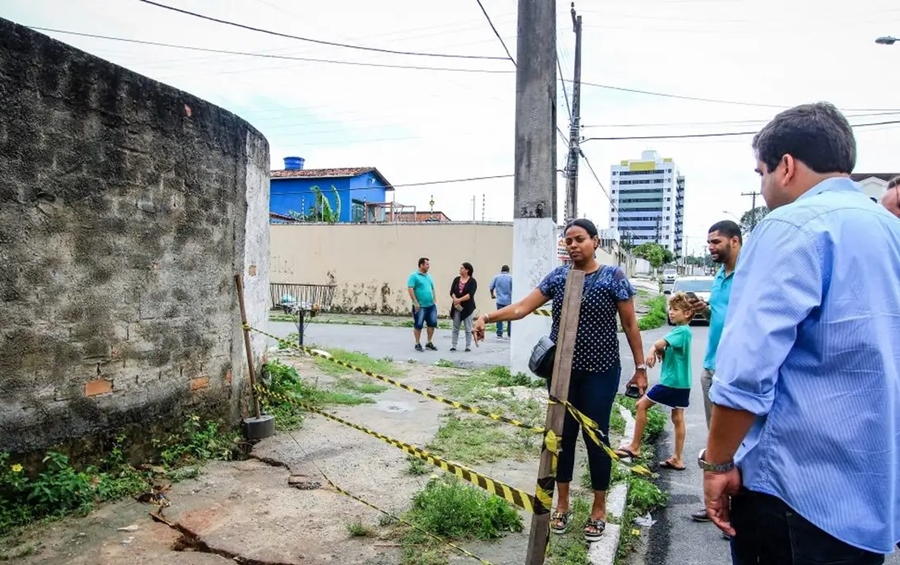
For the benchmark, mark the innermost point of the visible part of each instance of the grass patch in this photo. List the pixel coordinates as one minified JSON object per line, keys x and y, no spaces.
{"x":417,"y":467}
{"x":616,"y":421}
{"x":656,"y":419}
{"x":362,"y":387}
{"x":447,"y":364}
{"x":359,"y":530}
{"x":380,"y":366}
{"x":456,"y":512}
{"x":477,"y":440}
{"x":570,"y":548}
{"x":657,"y":315}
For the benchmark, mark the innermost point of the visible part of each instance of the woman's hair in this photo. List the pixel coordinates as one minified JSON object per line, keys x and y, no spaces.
{"x":468,"y":268}
{"x":584,"y":224}
{"x":680,"y":301}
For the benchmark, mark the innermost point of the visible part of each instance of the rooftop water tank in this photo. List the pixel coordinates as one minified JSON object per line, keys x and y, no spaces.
{"x":293,"y":163}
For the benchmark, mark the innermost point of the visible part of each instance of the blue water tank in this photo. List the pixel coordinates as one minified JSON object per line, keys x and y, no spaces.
{"x":293,"y":163}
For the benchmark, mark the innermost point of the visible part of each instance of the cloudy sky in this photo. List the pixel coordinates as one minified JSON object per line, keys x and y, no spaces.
{"x":419,"y":125}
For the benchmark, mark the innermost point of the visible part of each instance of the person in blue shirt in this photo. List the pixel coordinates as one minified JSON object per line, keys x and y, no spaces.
{"x":501,"y":291}
{"x":424,"y":310}
{"x":724,"y":242}
{"x":802,"y":463}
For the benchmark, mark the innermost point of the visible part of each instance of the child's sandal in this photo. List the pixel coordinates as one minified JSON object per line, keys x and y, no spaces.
{"x":559,"y":522}
{"x":593,"y":529}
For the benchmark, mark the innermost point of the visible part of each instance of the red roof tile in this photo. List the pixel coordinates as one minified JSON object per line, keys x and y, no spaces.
{"x":329,"y":174}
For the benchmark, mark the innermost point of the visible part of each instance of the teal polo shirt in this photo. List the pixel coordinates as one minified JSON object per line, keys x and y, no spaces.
{"x":719,"y":296}
{"x":423,"y":287}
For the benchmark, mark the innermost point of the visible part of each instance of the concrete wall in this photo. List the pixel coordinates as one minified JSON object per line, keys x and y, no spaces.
{"x":370,"y":263}
{"x":126,"y":208}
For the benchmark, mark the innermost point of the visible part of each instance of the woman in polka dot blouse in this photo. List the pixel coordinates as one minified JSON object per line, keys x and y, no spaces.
{"x":596,"y":367}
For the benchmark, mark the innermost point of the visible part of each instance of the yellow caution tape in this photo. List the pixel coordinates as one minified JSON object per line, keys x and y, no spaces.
{"x":510,"y":494}
{"x":542,"y":312}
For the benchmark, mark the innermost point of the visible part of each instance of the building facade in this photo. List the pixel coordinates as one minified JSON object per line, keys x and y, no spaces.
{"x":647,"y":205}
{"x":873,"y":184}
{"x":342,"y":195}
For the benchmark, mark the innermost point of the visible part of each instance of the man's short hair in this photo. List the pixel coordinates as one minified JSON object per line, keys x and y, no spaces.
{"x":729,"y":229}
{"x":504,"y":269}
{"x":680,"y":301}
{"x":894,"y":182}
{"x":817,"y":135}
{"x":422,"y":260}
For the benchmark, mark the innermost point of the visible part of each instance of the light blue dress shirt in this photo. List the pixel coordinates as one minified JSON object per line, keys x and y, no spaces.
{"x":811,"y":345}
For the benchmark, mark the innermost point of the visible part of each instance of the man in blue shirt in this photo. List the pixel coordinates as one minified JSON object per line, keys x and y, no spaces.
{"x":501,"y":291}
{"x":424,"y":311}
{"x":802,"y":464}
{"x":724,"y":241}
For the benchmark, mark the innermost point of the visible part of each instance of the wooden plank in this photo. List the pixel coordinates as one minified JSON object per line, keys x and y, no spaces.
{"x":556,"y":413}
{"x":239,"y":283}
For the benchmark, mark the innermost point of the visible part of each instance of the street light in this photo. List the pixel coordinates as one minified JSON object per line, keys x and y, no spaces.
{"x":732,"y":215}
{"x":886,"y":40}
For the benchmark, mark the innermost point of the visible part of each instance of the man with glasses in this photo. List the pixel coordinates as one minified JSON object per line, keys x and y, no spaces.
{"x":891,"y":198}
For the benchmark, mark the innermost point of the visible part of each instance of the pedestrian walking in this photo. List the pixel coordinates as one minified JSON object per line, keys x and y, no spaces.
{"x":802,"y":464}
{"x":674,"y":388}
{"x":501,"y":292}
{"x":424,"y":310}
{"x":596,"y":367}
{"x":462,"y":294}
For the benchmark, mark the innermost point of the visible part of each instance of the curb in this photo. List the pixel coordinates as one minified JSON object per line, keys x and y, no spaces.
{"x":604,"y":551}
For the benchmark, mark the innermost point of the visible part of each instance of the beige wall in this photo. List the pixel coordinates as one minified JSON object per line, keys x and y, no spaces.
{"x":370,"y":263}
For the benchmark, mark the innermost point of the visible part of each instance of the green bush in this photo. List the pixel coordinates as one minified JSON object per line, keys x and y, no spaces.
{"x":657,"y":316}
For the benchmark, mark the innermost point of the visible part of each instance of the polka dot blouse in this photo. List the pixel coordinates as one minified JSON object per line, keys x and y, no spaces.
{"x":597,"y":343}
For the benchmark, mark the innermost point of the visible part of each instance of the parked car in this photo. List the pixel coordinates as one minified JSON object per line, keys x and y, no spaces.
{"x":701,"y":286}
{"x":668,"y":280}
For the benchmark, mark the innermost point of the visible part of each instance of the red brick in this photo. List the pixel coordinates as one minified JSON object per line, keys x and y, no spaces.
{"x":197,"y":384}
{"x":99,"y":386}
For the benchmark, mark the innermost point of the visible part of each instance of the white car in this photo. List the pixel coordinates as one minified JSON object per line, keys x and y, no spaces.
{"x":700,"y":286}
{"x":668,"y":280}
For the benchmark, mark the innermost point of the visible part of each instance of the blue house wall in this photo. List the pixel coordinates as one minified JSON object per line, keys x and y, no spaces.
{"x":296,"y":195}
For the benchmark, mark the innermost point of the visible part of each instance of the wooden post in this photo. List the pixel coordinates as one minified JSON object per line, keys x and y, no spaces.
{"x":239,"y":283}
{"x":556,"y":413}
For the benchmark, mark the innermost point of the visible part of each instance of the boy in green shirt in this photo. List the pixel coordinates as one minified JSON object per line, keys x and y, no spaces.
{"x":674,"y":388}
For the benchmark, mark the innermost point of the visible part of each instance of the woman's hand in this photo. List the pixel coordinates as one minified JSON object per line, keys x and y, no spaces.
{"x":639,"y":380}
{"x":478,"y":329}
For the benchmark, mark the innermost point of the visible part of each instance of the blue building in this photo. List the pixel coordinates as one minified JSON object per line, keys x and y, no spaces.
{"x":314,"y":194}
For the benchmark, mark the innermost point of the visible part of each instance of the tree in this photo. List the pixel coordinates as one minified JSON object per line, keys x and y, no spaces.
{"x":654,"y":253}
{"x":321,"y":210}
{"x":752,"y":218}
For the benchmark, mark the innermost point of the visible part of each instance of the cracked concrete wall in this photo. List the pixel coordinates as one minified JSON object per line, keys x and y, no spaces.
{"x":126,"y":208}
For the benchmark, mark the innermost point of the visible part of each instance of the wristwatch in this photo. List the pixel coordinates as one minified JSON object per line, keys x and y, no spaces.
{"x":713,"y":467}
{"x":641,"y":367}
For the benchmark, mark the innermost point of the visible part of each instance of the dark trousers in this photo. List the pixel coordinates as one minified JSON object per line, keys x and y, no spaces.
{"x":769,"y":532}
{"x":593,"y":395}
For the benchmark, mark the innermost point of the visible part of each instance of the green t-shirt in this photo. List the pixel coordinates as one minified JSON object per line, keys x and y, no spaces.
{"x":676,"y":365}
{"x":423,"y":287}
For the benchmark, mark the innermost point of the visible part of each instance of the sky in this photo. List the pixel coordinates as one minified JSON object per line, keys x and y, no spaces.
{"x":419,"y":126}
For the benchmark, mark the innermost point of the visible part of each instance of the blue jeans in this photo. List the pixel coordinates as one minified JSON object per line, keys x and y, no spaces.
{"x":593,"y":395}
{"x":425,"y":315}
{"x":768,"y":531}
{"x":500,"y":324}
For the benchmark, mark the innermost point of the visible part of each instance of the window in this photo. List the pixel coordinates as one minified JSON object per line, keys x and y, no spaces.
{"x":358,"y":212}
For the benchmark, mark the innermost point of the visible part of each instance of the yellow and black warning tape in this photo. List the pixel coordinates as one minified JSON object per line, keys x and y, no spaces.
{"x":543,"y":312}
{"x":510,"y":494}
{"x":593,"y":429}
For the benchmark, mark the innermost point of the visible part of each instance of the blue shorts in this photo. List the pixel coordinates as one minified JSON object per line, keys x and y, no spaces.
{"x":425,"y":315}
{"x":671,"y":397}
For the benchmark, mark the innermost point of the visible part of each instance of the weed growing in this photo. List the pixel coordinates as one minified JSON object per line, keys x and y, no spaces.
{"x":656,"y":418}
{"x":359,"y":530}
{"x":445,"y":363}
{"x":417,"y":467}
{"x":657,"y":315}
{"x":361,"y":360}
{"x":570,"y":548}
{"x":476,"y":440}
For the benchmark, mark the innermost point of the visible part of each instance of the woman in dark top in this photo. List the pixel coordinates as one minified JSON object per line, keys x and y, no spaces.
{"x":462,"y":292}
{"x":596,"y":367}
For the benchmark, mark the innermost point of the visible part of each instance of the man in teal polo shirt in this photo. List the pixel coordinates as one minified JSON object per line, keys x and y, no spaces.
{"x":724,"y":240}
{"x":424,"y":310}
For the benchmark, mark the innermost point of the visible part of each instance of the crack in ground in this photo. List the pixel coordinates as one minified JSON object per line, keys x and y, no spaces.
{"x":189,"y":541}
{"x":270,"y":461}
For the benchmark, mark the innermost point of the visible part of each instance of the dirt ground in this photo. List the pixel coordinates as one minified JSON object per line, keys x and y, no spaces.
{"x":246,"y":511}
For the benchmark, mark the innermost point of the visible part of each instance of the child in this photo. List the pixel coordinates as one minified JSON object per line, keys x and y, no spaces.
{"x":674,"y":388}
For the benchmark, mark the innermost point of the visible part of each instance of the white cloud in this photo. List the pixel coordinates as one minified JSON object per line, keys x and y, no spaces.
{"x":419,"y":125}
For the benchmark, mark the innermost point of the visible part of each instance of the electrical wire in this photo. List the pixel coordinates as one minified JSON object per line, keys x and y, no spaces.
{"x":714,"y":134}
{"x":587,"y":162}
{"x":565,"y":94}
{"x":497,"y":33}
{"x":271,"y":56}
{"x":319,"y":41}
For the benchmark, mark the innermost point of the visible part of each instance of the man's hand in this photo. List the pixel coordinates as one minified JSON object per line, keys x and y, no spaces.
{"x":639,"y":380}
{"x":718,"y":488}
{"x":699,"y":306}
{"x":415,"y":306}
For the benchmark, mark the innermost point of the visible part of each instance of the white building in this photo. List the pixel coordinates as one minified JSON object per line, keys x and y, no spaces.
{"x":873,"y":184}
{"x":648,"y":202}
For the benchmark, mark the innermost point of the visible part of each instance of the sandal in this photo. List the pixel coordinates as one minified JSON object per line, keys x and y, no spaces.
{"x":559,"y":522}
{"x":593,"y":529}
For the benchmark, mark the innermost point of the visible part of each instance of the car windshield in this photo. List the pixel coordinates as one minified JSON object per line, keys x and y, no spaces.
{"x":669,"y":273}
{"x":701,"y":285}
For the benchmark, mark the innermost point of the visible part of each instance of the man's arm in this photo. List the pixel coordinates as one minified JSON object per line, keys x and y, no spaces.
{"x":777,"y":284}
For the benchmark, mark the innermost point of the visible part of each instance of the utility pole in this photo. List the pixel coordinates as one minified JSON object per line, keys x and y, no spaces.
{"x":535,"y":234}
{"x":534,"y":204}
{"x":753,"y":208}
{"x":574,"y":127}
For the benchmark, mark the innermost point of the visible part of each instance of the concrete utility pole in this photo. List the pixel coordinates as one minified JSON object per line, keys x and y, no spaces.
{"x":753,"y":208}
{"x":574,"y":127}
{"x":534,"y":205}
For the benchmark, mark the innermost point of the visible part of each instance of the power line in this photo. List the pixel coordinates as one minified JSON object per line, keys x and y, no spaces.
{"x":497,"y":33}
{"x":319,"y":41}
{"x":565,"y":94}
{"x":597,"y":178}
{"x":268,"y":55}
{"x":714,"y":134}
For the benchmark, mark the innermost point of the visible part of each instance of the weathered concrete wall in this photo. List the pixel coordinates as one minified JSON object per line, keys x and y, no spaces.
{"x":370,"y":263}
{"x":126,"y":208}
